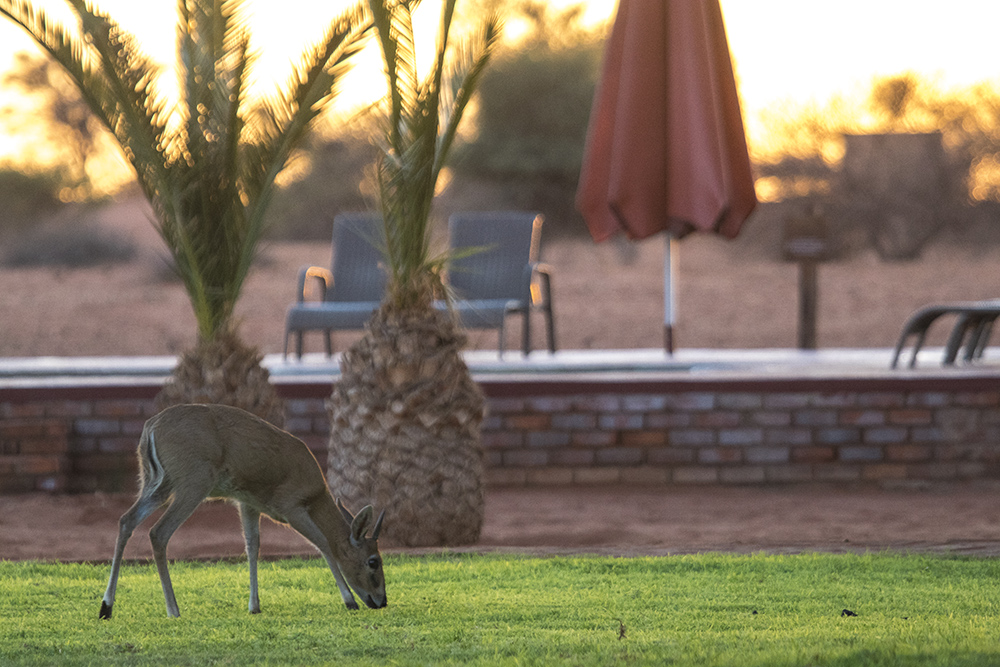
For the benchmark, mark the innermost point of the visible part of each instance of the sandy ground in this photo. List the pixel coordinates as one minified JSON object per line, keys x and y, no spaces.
{"x":606,"y":520}
{"x":606,"y":296}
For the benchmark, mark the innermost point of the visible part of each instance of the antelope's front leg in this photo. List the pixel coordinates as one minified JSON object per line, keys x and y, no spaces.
{"x":300,"y":520}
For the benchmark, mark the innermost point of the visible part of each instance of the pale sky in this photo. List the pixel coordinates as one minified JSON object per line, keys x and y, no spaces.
{"x":783,"y":50}
{"x":807,"y":49}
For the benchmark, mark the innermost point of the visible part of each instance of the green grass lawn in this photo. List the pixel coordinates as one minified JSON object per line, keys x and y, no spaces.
{"x":471,"y":609}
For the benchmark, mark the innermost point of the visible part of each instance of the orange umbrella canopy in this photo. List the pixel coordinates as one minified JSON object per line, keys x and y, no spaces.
{"x":666,"y":149}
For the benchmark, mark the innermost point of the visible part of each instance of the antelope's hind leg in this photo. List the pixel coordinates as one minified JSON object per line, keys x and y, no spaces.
{"x":180,"y":510}
{"x":129,"y":521}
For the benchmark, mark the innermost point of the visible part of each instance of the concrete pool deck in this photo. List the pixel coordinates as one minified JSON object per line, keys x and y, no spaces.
{"x":697,"y":363}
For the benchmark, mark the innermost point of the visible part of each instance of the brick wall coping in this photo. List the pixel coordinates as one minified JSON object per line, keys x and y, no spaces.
{"x":488,"y":362}
{"x":836,"y":361}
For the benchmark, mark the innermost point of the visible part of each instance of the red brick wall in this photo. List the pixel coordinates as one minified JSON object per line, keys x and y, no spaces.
{"x":71,"y":438}
{"x":674,"y":431}
{"x":744,"y":437}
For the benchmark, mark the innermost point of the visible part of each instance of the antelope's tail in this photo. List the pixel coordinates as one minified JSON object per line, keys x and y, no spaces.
{"x":151,"y":473}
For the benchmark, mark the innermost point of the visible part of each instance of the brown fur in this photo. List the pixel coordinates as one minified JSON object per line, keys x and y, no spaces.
{"x":188,"y":453}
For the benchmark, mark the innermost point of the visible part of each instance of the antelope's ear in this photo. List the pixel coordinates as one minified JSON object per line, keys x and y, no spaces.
{"x":378,"y":525}
{"x":360,"y":524}
{"x":348,"y":517}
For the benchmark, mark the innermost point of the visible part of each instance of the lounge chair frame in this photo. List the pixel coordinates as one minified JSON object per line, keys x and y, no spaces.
{"x":972,"y":329}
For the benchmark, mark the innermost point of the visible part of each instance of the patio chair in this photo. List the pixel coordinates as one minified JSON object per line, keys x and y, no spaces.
{"x":350,"y":292}
{"x":972,"y":329}
{"x":498,"y":274}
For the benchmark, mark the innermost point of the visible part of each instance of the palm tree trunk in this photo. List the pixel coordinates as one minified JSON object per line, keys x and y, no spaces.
{"x":405,"y":434}
{"x":224,"y":370}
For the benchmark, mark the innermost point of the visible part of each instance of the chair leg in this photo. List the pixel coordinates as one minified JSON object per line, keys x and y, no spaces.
{"x":899,"y":349}
{"x":980,"y":333}
{"x":969,"y":343}
{"x":965,"y":324}
{"x":983,"y":339}
{"x":546,"y":308}
{"x":917,"y":325}
{"x":526,"y":330}
{"x":917,"y":344}
{"x":298,"y":344}
{"x":550,"y":328}
{"x":328,"y":340}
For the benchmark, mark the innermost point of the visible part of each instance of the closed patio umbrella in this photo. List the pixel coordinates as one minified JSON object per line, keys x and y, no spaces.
{"x":666,"y":150}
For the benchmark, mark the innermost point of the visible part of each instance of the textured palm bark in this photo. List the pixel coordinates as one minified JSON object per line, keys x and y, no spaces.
{"x":227,"y":371}
{"x":405,"y":429}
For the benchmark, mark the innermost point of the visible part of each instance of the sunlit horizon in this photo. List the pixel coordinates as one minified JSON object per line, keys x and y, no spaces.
{"x":785,"y":52}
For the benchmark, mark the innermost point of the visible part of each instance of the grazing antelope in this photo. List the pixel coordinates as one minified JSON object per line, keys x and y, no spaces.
{"x":188,"y":453}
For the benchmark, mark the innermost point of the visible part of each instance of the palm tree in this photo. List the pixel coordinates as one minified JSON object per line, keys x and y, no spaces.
{"x":405,"y":413}
{"x":207,"y":162}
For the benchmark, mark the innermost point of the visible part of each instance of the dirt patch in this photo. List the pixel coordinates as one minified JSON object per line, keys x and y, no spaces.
{"x":609,"y":519}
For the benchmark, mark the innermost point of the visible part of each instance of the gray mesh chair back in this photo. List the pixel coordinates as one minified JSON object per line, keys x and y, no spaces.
{"x":357,"y":274}
{"x":508,"y":243}
{"x":351,"y":290}
{"x":495,"y":280}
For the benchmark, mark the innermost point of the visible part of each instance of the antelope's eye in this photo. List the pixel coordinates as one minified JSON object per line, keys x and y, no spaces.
{"x":373,"y":562}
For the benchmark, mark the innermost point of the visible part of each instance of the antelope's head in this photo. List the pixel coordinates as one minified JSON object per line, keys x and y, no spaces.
{"x":362,"y":564}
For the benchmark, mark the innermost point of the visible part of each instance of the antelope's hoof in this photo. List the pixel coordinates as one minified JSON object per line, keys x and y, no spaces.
{"x":105,"y":610}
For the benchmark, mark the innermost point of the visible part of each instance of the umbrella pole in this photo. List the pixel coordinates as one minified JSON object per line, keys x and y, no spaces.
{"x":669,"y":293}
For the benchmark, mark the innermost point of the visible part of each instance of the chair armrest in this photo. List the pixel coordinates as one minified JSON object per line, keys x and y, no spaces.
{"x":544,"y":272}
{"x":541,"y":268}
{"x":321,"y":274}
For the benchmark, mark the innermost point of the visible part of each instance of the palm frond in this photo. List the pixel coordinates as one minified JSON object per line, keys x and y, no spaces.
{"x":64,"y":47}
{"x":414,"y":146}
{"x":279,"y":123}
{"x":208,"y":170}
{"x":73,"y":54}
{"x":444,"y":33}
{"x":82,"y":59}
{"x":281,"y":120}
{"x":215,"y":47}
{"x":138,"y":114}
{"x":394,"y":26}
{"x":464,"y":76}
